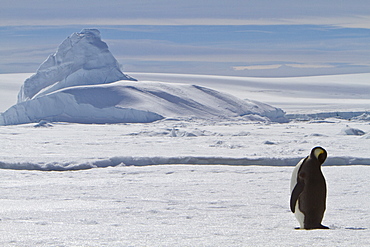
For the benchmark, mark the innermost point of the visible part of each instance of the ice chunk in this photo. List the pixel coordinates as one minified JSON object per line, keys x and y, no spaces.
{"x":351,"y":131}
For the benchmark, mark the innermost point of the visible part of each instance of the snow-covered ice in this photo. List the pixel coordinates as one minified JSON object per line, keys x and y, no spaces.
{"x":295,"y":95}
{"x":182,"y":205}
{"x":133,"y":204}
{"x":66,"y":146}
{"x":191,"y":180}
{"x":177,"y":205}
{"x":132,"y":102}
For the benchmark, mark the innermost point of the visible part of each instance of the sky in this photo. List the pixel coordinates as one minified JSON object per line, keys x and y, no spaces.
{"x":232,"y":37}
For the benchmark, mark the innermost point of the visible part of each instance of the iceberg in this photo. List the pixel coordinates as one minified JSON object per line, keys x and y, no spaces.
{"x":81,"y":59}
{"x":82,"y":83}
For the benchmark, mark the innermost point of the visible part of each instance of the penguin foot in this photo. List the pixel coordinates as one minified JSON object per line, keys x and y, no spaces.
{"x":323,"y":227}
{"x":317,"y":227}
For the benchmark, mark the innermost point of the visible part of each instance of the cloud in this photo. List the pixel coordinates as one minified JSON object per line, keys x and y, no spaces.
{"x":336,"y":21}
{"x":277,"y":66}
{"x":344,"y":22}
{"x":310,"y":66}
{"x":257,"y":67}
{"x":352,"y":14}
{"x":256,"y":36}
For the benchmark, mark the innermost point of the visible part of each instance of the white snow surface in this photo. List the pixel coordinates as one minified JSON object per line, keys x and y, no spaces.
{"x":132,"y":102}
{"x":244,"y":140}
{"x":177,"y":206}
{"x":295,"y":95}
{"x":183,"y":182}
{"x":66,"y":146}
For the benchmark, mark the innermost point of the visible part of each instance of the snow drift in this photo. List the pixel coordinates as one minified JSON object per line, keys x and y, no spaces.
{"x":351,"y":131}
{"x":187,"y":160}
{"x":82,"y":83}
{"x":133,"y":102}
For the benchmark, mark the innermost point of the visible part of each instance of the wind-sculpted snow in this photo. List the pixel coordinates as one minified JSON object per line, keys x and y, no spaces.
{"x":351,"y":131}
{"x":187,"y":160}
{"x":136,"y":102}
{"x":354,"y":115}
{"x":63,"y":107}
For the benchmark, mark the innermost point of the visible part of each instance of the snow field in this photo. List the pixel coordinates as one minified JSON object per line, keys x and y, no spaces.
{"x":295,"y":95}
{"x":78,"y":146}
{"x":177,"y":205}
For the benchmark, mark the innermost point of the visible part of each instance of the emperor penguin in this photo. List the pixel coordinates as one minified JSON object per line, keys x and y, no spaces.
{"x":308,"y":190}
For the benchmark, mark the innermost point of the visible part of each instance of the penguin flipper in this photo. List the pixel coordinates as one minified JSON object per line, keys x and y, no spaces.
{"x":295,"y":195}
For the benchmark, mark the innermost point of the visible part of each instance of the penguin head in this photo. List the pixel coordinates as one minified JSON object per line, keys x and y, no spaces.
{"x":319,"y":154}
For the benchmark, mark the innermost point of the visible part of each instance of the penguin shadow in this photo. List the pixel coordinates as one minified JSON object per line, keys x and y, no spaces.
{"x":310,"y":229}
{"x":348,"y":228}
{"x":355,"y":228}
{"x":332,"y":227}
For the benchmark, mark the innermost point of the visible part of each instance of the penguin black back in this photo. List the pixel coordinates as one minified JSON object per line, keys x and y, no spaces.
{"x":308,"y":198}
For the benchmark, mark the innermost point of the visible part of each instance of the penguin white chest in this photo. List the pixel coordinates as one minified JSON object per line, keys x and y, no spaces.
{"x":293,"y":180}
{"x":299,"y":215}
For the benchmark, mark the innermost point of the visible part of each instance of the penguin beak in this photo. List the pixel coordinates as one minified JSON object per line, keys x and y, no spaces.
{"x":321,"y":155}
{"x":318,"y":152}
